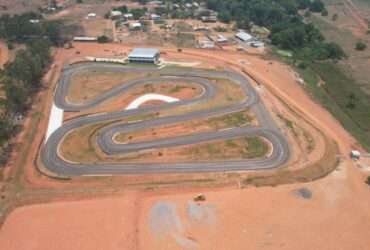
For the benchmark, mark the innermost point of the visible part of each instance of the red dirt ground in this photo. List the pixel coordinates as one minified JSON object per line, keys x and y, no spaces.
{"x":335,"y":217}
{"x":4,"y":54}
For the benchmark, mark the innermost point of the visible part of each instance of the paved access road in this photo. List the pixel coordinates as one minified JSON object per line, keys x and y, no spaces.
{"x":268,"y":128}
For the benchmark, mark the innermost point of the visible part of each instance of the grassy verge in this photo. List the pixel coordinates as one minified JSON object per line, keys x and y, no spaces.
{"x":328,"y":84}
{"x":341,"y":97}
{"x":237,"y":119}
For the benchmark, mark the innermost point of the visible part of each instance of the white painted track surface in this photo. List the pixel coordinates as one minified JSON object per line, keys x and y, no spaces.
{"x":150,"y":97}
{"x":55,"y":120}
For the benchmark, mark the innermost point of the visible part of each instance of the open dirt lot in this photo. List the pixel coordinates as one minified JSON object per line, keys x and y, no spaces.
{"x":326,"y":214}
{"x":330,"y":213}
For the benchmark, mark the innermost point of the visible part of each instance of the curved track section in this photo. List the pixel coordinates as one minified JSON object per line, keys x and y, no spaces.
{"x":268,"y":129}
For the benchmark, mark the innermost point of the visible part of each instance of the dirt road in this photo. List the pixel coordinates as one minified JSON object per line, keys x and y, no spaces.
{"x":4,"y":54}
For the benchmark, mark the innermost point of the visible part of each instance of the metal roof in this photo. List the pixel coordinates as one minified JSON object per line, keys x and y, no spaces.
{"x":244,"y":36}
{"x":144,"y":52}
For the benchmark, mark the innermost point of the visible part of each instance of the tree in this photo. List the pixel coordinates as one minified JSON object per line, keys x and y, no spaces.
{"x":5,"y":128}
{"x":225,"y":16}
{"x":334,"y":17}
{"x":351,"y":101}
{"x":334,"y":51}
{"x":324,"y":12}
{"x":303,"y":4}
{"x":103,"y":39}
{"x":317,"y":6}
{"x":137,"y":13}
{"x":16,"y":99}
{"x":360,"y":46}
{"x":122,"y":8}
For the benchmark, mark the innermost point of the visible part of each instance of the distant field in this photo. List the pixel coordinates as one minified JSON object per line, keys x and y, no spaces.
{"x":345,"y":31}
{"x":346,"y":101}
{"x":344,"y":88}
{"x":20,"y":6}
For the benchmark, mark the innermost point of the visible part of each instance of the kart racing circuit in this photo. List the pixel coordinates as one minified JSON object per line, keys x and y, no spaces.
{"x":266,"y":128}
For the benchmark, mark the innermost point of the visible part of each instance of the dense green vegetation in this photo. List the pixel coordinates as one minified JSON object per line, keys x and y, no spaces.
{"x":21,"y":79}
{"x":288,"y":30}
{"x":18,"y":28}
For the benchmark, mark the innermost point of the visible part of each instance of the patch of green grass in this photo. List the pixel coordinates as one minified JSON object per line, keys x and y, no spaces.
{"x":143,"y":65}
{"x":287,"y":122}
{"x":237,"y":119}
{"x":256,"y":148}
{"x":176,"y":89}
{"x":212,"y":149}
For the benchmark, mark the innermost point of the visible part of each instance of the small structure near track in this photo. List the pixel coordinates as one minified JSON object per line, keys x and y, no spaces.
{"x":355,"y":154}
{"x":144,"y":55}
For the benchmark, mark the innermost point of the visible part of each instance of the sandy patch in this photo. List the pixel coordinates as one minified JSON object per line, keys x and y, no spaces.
{"x":84,"y":225}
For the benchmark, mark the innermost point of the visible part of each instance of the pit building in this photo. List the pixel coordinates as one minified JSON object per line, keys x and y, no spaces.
{"x":144,"y":55}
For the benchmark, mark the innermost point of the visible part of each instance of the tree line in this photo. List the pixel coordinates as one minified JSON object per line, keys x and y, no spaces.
{"x":20,"y":79}
{"x":20,"y":28}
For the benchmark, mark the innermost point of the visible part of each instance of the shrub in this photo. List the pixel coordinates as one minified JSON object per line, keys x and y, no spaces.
{"x":334,"y":17}
{"x":360,"y":46}
{"x":368,"y":180}
{"x":103,"y":39}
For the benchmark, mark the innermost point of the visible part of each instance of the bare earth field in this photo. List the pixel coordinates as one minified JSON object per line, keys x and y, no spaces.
{"x":158,"y":211}
{"x":326,"y":214}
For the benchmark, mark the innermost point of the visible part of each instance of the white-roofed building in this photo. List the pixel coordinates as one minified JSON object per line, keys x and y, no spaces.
{"x":115,"y":13}
{"x":128,"y":16}
{"x":135,"y":26}
{"x":85,"y":39}
{"x":144,"y":55}
{"x":91,"y":15}
{"x":243,"y":36}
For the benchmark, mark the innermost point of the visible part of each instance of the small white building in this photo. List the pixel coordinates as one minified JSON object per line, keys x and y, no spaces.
{"x":128,"y":16}
{"x":243,"y":36}
{"x":135,"y":26}
{"x":85,"y":39}
{"x":115,"y":13}
{"x":155,"y":17}
{"x":34,"y":21}
{"x":91,"y":15}
{"x":355,"y":154}
{"x":200,"y":28}
{"x":256,"y":44}
{"x":206,"y":44}
{"x":221,"y":39}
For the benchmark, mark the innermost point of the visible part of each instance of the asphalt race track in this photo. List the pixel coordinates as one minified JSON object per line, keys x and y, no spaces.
{"x":268,"y":129}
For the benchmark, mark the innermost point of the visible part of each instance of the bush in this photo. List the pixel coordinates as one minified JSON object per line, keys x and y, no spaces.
{"x":103,"y":39}
{"x":10,"y":45}
{"x":220,"y":29}
{"x":360,"y":46}
{"x":334,"y":17}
